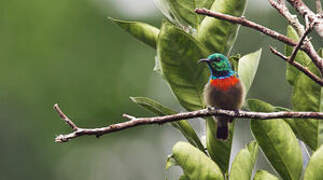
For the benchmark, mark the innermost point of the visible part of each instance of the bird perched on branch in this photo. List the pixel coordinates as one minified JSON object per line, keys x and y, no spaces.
{"x":224,"y":90}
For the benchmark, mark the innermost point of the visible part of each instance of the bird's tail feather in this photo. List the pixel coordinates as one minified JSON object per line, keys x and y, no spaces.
{"x":223,"y":128}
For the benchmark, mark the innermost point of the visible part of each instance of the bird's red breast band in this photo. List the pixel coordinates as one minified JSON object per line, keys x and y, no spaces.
{"x":224,"y":84}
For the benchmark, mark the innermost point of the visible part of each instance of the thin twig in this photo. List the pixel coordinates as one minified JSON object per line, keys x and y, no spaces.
{"x":64,"y":117}
{"x":299,"y":44}
{"x":292,"y":19}
{"x":310,"y":51}
{"x":77,"y":132}
{"x":302,"y":9}
{"x":244,"y":22}
{"x":299,"y":67}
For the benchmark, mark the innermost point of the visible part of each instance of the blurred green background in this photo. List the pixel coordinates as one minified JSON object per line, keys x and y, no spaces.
{"x":67,"y":52}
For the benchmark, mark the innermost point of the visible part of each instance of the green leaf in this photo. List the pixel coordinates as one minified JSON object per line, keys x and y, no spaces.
{"x":219,"y":150}
{"x":314,"y":170}
{"x":264,"y":175}
{"x":291,"y":122}
{"x":234,"y":61}
{"x":278,"y":142}
{"x":320,"y":125}
{"x":195,"y":164}
{"x":306,"y":95}
{"x":141,"y":31}
{"x":244,"y":162}
{"x":218,"y":35}
{"x":184,"y":177}
{"x":184,"y":10}
{"x":247,"y":68}
{"x":178,"y":53}
{"x":183,"y":126}
{"x":301,"y":57}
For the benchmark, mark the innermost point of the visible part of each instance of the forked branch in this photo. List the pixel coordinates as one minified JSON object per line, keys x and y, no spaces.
{"x":306,"y":47}
{"x":134,"y":121}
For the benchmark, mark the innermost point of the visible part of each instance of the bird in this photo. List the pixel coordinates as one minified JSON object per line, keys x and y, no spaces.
{"x":224,"y":90}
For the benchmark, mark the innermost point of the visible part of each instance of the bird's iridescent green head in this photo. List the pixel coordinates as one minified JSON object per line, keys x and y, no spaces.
{"x":219,"y":66}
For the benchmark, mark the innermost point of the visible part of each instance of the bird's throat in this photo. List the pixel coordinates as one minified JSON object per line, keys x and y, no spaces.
{"x":224,"y":83}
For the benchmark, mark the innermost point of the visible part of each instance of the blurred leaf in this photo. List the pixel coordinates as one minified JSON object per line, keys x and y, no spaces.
{"x":184,"y":126}
{"x":178,"y":53}
{"x":247,"y":68}
{"x":170,"y":162}
{"x":264,"y":175}
{"x":141,"y":31}
{"x":278,"y":108}
{"x":278,"y":142}
{"x":314,"y":170}
{"x":219,"y":150}
{"x":184,"y":10}
{"x":157,"y":66}
{"x":301,"y":57}
{"x":195,"y":164}
{"x":184,"y":177}
{"x":244,"y":162}
{"x":218,"y":35}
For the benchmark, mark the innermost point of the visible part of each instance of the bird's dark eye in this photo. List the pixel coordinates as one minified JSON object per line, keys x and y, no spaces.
{"x":217,"y":59}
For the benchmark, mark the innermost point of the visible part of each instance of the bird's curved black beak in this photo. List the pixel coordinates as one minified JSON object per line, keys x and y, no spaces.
{"x":203,"y":60}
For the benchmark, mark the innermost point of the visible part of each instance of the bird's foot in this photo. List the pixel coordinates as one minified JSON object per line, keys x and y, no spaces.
{"x":237,"y":112}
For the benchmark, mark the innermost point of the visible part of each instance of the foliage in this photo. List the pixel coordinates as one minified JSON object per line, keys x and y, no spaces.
{"x":180,"y":43}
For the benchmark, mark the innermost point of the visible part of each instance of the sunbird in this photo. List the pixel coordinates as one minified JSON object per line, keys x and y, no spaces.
{"x":223,"y":90}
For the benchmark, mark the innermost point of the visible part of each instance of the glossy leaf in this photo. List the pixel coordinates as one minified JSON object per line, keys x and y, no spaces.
{"x":218,"y":35}
{"x":183,"y":126}
{"x":195,"y":164}
{"x":306,"y":95}
{"x":244,"y":162}
{"x":291,"y":122}
{"x":247,"y":68}
{"x":314,"y":170}
{"x":301,"y":57}
{"x":178,"y":53}
{"x":219,"y":150}
{"x":184,"y":10}
{"x":141,"y":31}
{"x":278,"y":142}
{"x":264,"y":175}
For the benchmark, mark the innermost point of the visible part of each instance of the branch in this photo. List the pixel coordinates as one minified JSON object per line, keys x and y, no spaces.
{"x":280,"y":6}
{"x":77,"y":132}
{"x":299,"y":44}
{"x":292,"y":19}
{"x":244,"y":22}
{"x":299,"y":67}
{"x":305,"y":11}
{"x":310,"y":51}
